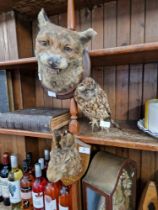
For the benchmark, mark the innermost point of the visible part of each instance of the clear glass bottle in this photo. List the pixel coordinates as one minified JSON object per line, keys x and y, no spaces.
{"x":4,"y":178}
{"x":41,"y":162}
{"x":46,"y":158}
{"x":26,"y":187}
{"x":38,"y":189}
{"x":14,"y":183}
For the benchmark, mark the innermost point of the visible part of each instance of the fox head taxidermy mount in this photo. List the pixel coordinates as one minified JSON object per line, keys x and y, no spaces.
{"x":59,"y":52}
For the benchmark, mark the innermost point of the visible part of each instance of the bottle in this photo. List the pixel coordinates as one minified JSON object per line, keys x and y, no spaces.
{"x":26,"y":187}
{"x":41,"y":162}
{"x":14,"y":183}
{"x":38,"y":188}
{"x":46,"y":158}
{"x":4,"y":178}
{"x":30,"y":165}
{"x":51,"y":196}
{"x":30,"y":162}
{"x":64,"y":199}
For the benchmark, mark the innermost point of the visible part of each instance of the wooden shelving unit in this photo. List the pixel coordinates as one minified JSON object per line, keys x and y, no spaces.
{"x":128,"y":137}
{"x":133,"y":54}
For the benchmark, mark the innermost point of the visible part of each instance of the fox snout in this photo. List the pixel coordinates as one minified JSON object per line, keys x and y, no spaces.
{"x":53,"y":61}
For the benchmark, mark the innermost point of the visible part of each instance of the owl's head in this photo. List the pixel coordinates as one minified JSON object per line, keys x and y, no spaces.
{"x":87,"y":89}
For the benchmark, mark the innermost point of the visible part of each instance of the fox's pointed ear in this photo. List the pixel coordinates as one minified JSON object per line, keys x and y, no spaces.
{"x":42,"y":18}
{"x":87,"y":35}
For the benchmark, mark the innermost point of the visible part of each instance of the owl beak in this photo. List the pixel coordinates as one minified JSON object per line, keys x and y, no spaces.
{"x":81,"y":88}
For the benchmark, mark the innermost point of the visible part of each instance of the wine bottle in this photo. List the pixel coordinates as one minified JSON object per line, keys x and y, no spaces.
{"x":30,"y":165}
{"x":64,"y":199}
{"x":4,"y":178}
{"x":38,"y":188}
{"x":41,"y":162}
{"x":51,"y":196}
{"x":14,"y":184}
{"x":46,"y":158}
{"x":26,"y":187}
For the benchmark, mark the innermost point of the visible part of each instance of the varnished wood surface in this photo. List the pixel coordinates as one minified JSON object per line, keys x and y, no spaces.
{"x":31,"y":8}
{"x":128,"y":137}
{"x":130,"y":54}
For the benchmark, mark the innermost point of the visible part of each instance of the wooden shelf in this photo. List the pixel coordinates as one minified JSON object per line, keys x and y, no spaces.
{"x":131,"y":54}
{"x":25,"y":133}
{"x":129,"y":137}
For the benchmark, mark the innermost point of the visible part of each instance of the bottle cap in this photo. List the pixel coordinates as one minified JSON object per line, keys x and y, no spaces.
{"x":46,"y":154}
{"x":5,"y":158}
{"x":13,"y":160}
{"x":38,"y":172}
{"x":63,"y":190}
{"x":41,"y":162}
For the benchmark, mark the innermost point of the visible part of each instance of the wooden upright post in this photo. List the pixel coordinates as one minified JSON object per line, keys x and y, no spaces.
{"x":73,"y":125}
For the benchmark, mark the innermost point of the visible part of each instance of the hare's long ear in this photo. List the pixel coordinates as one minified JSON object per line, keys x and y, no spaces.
{"x":42,"y":18}
{"x":87,"y":35}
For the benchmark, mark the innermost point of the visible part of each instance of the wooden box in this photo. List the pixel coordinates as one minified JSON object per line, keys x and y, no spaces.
{"x":110,"y":183}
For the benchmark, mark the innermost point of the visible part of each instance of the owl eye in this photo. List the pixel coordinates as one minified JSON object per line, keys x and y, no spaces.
{"x":44,"y":43}
{"x":67,"y":49}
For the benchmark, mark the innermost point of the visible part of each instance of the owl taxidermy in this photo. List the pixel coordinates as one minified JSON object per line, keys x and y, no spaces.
{"x":65,"y":159}
{"x":93,"y":102}
{"x":59,"y":52}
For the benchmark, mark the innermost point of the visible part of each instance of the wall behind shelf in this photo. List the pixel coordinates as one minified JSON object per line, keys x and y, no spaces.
{"x":120,"y":23}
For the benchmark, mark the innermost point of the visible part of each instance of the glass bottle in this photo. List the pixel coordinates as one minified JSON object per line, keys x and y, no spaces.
{"x":4,"y":178}
{"x":14,"y":184}
{"x":30,"y":162}
{"x":46,"y":158}
{"x":41,"y":162}
{"x":51,"y":196}
{"x":64,"y":199}
{"x":26,"y":187}
{"x":38,"y":188}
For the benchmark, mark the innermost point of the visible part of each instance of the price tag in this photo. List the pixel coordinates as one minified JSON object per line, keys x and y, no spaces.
{"x":84,"y":150}
{"x":51,"y":94}
{"x":105,"y":124}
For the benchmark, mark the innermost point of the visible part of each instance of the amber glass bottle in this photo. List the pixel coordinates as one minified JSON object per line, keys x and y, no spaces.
{"x":26,"y":187}
{"x":65,"y":199}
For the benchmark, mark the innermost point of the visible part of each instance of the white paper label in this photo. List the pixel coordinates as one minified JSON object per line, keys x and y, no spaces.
{"x":51,"y":94}
{"x":26,"y":195}
{"x":84,"y":150}
{"x":63,"y":208}
{"x":49,"y":203}
{"x":105,"y":124}
{"x":5,"y":187}
{"x":14,"y":191}
{"x":38,"y":200}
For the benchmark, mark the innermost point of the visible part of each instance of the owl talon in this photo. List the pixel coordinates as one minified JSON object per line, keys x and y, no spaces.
{"x":94,"y":123}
